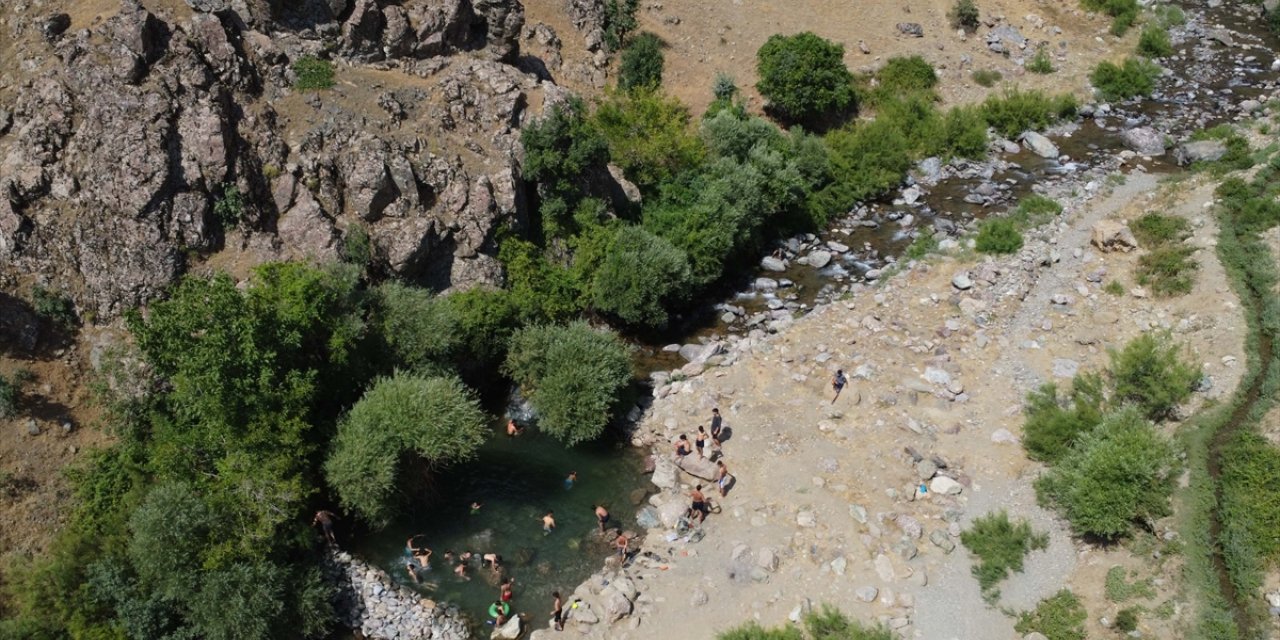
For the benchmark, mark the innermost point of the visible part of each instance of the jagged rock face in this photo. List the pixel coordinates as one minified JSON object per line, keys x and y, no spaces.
{"x":113,"y":158}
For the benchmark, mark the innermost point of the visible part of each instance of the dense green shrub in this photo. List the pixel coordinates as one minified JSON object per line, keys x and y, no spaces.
{"x":228,"y":206}
{"x":1035,"y":210}
{"x":642,"y":63}
{"x":420,"y":328}
{"x":539,"y":291}
{"x":1168,"y":271}
{"x":1136,"y":77}
{"x":1054,"y":423}
{"x":964,"y":15}
{"x":1058,"y":617}
{"x":724,"y":87}
{"x":648,"y":136}
{"x":357,"y":247}
{"x":619,"y":22}
{"x":484,"y":319}
{"x":1154,"y":42}
{"x":1122,"y":12}
{"x":641,"y":276}
{"x":1151,"y":373}
{"x":904,"y":75}
{"x":1000,"y":546}
{"x":9,"y":392}
{"x":753,"y":631}
{"x":1154,"y":229}
{"x":998,"y":235}
{"x":1040,"y":62}
{"x":964,"y":133}
{"x":826,"y":623}
{"x":867,"y":159}
{"x":1127,"y":619}
{"x":986,"y":77}
{"x":312,"y":73}
{"x":1116,"y":475}
{"x":562,"y":151}
{"x":572,"y":375}
{"x":804,"y":77}
{"x":1016,"y":111}
{"x":436,"y":420}
{"x":917,"y":119}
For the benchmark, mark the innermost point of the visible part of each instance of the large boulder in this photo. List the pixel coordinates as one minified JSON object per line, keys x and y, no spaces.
{"x":1144,"y":140}
{"x":698,"y":466}
{"x":1040,"y":145}
{"x":1112,"y":235}
{"x":1200,"y":151}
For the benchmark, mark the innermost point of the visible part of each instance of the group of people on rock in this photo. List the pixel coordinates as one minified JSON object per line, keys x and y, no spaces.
{"x":699,"y":506}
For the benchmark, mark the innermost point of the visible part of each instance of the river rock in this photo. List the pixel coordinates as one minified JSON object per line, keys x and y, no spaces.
{"x":1200,"y":151}
{"x":648,"y":518}
{"x":665,"y":473}
{"x":962,"y":281}
{"x":672,"y":510}
{"x":616,"y":604}
{"x":1112,"y":235}
{"x":697,"y":466}
{"x":818,"y":259}
{"x":765,"y":285}
{"x":1144,"y":140}
{"x":884,"y":568}
{"x":945,"y":486}
{"x":867,"y":593}
{"x":1004,"y":39}
{"x":770,"y":263}
{"x":1039,"y":145}
{"x":509,"y":631}
{"x":941,"y":540}
{"x":912,"y":29}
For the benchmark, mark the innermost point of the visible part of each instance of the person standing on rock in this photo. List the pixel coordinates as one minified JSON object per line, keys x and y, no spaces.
{"x":717,"y":427}
{"x":699,"y":505}
{"x":602,"y":517}
{"x":700,"y":441}
{"x":723,"y":478}
{"x":557,"y":611}
{"x":838,"y":382}
{"x":623,"y":544}
{"x":325,"y":520}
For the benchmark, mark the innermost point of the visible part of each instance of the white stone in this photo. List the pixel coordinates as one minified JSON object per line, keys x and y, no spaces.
{"x":945,"y":486}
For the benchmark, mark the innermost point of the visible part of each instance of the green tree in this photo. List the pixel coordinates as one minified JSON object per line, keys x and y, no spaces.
{"x":804,"y":77}
{"x":641,"y":276}
{"x":562,"y":151}
{"x":405,"y":419}
{"x":867,"y":159}
{"x":572,"y":375}
{"x":648,"y":136}
{"x":903,"y":76}
{"x":1118,"y":474}
{"x":420,"y":328}
{"x":1151,"y":373}
{"x":964,"y":15}
{"x":642,"y":62}
{"x":1136,"y":77}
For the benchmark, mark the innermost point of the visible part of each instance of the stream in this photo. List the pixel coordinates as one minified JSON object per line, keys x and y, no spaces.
{"x":1223,"y":57}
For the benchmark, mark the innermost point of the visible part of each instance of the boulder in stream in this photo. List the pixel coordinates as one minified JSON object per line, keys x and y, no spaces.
{"x":1040,"y":145}
{"x":1144,"y":140}
{"x":1200,"y":151}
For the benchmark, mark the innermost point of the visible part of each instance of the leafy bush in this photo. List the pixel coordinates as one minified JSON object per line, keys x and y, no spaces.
{"x":867,"y":159}
{"x":986,"y":77}
{"x":1119,"y":473}
{"x":640,"y":277}
{"x":1035,"y":210}
{"x":1040,"y":62}
{"x":1055,"y":423}
{"x":1150,"y":373}
{"x":53,"y":306}
{"x":999,"y":235}
{"x":572,"y":376}
{"x":1127,"y":619}
{"x":1058,"y":617}
{"x":648,"y":136}
{"x":228,"y":207}
{"x":619,"y":22}
{"x":312,"y":73}
{"x":642,"y":63}
{"x":902,"y":76}
{"x":964,"y":15}
{"x":826,"y":623}
{"x":419,"y":328}
{"x":540,"y":291}
{"x":964,"y":133}
{"x":1016,"y":111}
{"x":804,"y":77}
{"x":436,"y":419}
{"x":1154,"y":42}
{"x":1000,"y":545}
{"x":753,"y":631}
{"x":562,"y":151}
{"x":9,"y":392}
{"x":1123,"y":13}
{"x":1170,"y":15}
{"x":916,"y":118}
{"x":724,"y":87}
{"x":1136,"y":77}
{"x":1119,"y":589}
{"x":1154,"y":229}
{"x":484,"y":320}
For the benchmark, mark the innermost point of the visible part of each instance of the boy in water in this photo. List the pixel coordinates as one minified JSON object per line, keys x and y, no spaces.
{"x":571,"y":480}
{"x":548,"y":523}
{"x":602,"y":516}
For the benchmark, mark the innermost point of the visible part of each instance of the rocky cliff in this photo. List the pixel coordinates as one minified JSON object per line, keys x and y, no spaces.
{"x":140,"y":140}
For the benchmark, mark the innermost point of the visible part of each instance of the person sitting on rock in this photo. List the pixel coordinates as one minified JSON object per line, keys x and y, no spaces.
{"x":682,"y":446}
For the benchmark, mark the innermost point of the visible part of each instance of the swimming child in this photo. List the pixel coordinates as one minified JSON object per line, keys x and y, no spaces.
{"x":571,"y":480}
{"x":548,"y":523}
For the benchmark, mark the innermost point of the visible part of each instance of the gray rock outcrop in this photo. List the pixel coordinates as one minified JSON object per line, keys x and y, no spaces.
{"x":1040,"y":145}
{"x":1144,"y":140}
{"x":370,"y":601}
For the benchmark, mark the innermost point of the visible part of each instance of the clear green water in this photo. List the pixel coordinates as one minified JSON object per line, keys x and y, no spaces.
{"x":517,"y":480}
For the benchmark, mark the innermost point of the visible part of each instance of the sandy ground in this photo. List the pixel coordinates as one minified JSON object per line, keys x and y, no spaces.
{"x":807,"y":468}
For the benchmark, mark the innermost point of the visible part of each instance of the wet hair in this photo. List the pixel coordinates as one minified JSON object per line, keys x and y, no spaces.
{"x":550,"y":512}
{"x":699,"y":487}
{"x":555,"y":594}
